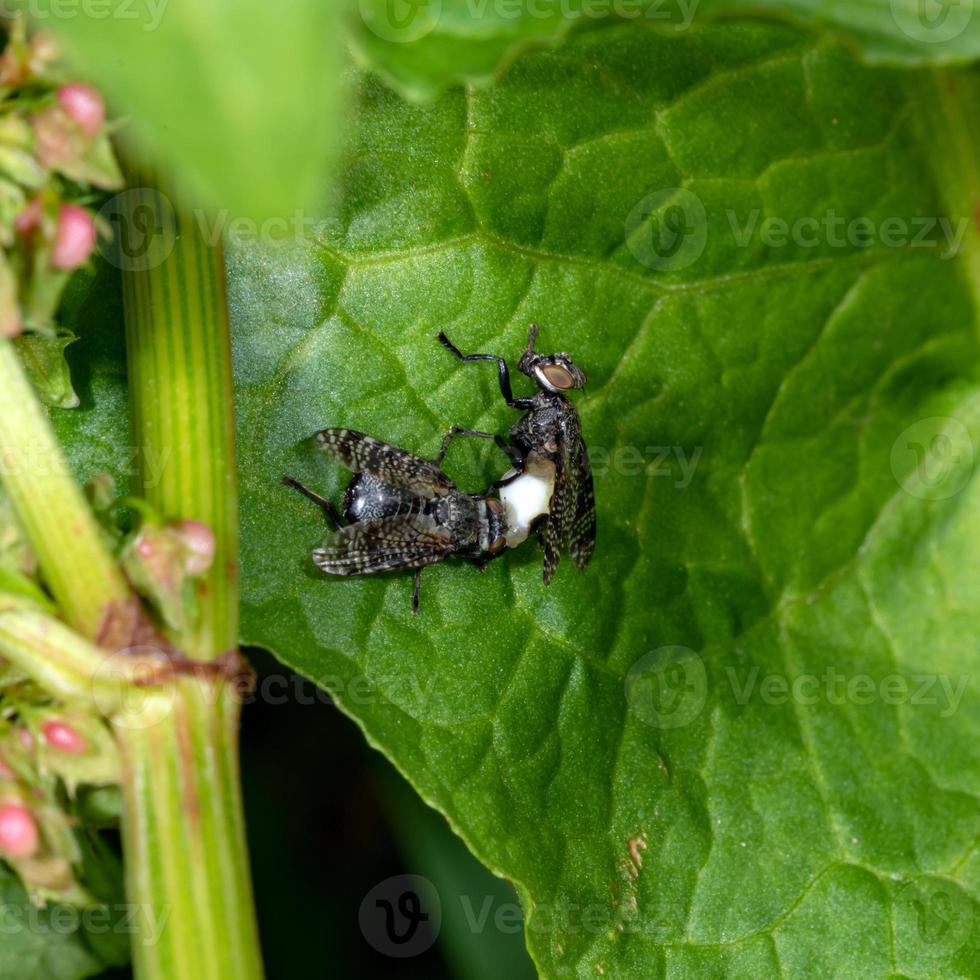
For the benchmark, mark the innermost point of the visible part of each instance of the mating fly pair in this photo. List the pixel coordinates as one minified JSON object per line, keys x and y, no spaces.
{"x":403,"y":512}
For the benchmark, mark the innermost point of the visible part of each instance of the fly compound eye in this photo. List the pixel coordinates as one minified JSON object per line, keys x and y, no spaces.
{"x":497,"y":545}
{"x":556,"y":376}
{"x":495,"y":505}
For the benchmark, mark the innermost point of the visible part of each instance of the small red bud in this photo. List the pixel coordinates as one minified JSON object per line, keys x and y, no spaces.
{"x":18,"y":831}
{"x":198,"y":539}
{"x":74,"y":239}
{"x":63,"y":737}
{"x":26,"y":738}
{"x":84,"y":104}
{"x":5,"y":771}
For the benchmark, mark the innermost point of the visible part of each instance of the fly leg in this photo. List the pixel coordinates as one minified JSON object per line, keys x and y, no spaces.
{"x":503,"y":375}
{"x":331,"y":512}
{"x":500,"y":442}
{"x":415,"y":592}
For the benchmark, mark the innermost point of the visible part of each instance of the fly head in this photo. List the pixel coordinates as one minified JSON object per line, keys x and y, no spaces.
{"x":554,"y":373}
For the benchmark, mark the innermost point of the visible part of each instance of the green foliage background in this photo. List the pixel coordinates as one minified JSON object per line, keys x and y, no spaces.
{"x":608,"y":743}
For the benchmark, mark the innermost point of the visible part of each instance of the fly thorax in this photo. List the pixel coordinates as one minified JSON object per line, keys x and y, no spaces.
{"x":527,"y":497}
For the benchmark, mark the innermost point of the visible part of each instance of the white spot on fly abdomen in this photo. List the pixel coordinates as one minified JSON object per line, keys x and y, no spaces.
{"x":527,"y":498}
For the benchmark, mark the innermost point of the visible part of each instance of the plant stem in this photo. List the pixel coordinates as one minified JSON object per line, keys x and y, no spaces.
{"x":183,"y":835}
{"x":74,"y":559}
{"x":181,"y":393}
{"x":183,"y":829}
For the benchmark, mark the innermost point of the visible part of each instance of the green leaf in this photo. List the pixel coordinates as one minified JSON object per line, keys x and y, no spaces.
{"x":742,"y":742}
{"x":420,"y":45}
{"x":49,"y":943}
{"x":240,"y":96}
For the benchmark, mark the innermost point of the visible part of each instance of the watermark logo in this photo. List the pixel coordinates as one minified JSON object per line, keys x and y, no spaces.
{"x":933,"y":459}
{"x":668,"y":231}
{"x":144,"y":229}
{"x":667,"y":687}
{"x":933,"y":914}
{"x":932,"y":21}
{"x":135,"y":688}
{"x":401,"y":916}
{"x":401,"y":21}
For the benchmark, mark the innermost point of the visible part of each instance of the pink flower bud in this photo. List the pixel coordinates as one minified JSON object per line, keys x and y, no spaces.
{"x":18,"y":831}
{"x":84,"y":104}
{"x":5,"y":771}
{"x":63,"y":737}
{"x":26,"y":738}
{"x":198,"y":540}
{"x":74,"y":239}
{"x":29,"y":220}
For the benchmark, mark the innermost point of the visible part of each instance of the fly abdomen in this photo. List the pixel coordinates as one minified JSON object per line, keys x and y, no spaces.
{"x":369,"y":498}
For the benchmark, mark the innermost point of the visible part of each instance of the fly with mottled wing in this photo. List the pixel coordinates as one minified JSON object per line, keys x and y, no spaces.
{"x":551,"y":480}
{"x":401,"y":511}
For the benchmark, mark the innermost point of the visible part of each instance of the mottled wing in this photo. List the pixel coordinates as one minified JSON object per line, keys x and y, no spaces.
{"x":571,"y":519}
{"x":553,"y":534}
{"x":581,"y":524}
{"x":365,"y":454}
{"x":366,"y":547}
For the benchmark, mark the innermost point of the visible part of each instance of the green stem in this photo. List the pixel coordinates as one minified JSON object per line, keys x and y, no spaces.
{"x":183,"y":835}
{"x":183,"y":827}
{"x":179,"y":357}
{"x":73,"y":557}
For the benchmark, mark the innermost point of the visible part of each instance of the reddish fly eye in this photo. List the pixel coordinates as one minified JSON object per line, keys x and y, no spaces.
{"x":498,"y":545}
{"x":557,"y":376}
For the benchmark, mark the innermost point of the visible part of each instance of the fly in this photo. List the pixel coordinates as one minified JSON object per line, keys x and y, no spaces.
{"x":550,"y":485}
{"x":402,"y":512}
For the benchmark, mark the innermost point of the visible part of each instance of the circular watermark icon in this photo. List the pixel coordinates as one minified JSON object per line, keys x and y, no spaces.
{"x":401,"y":916}
{"x":144,"y":229}
{"x":933,"y":459}
{"x":933,"y":915}
{"x":932,"y":21}
{"x":667,"y":687}
{"x":668,"y":231}
{"x":401,"y":21}
{"x":135,"y":687}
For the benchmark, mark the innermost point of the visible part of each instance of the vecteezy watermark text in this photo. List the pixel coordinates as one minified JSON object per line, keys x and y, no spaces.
{"x":404,"y":21}
{"x":679,"y":462}
{"x":668,"y":688}
{"x":669,"y":231}
{"x":125,"y":918}
{"x":833,"y":230}
{"x":148,"y":14}
{"x":837,"y":688}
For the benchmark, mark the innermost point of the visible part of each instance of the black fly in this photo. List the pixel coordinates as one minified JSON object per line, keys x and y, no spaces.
{"x":546,"y":447}
{"x":401,"y":511}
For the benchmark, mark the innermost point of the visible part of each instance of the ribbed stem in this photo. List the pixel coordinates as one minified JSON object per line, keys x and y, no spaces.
{"x":183,"y":835}
{"x":73,"y":557}
{"x":179,"y":358}
{"x":183,"y":827}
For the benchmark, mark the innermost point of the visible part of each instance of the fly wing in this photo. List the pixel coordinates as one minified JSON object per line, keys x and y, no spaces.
{"x":383,"y":545}
{"x":581,"y":529}
{"x":365,"y":454}
{"x":571,"y":517}
{"x":553,"y":533}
